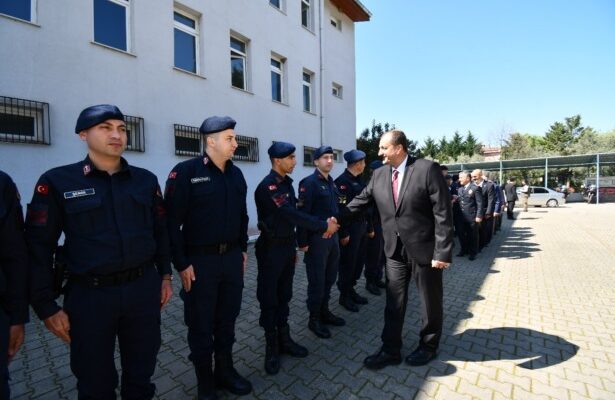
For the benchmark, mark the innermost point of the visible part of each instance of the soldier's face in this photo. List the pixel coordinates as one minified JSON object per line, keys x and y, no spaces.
{"x":107,"y":138}
{"x":223,"y":143}
{"x":360,"y":166}
{"x":287,"y":164}
{"x":325,"y":163}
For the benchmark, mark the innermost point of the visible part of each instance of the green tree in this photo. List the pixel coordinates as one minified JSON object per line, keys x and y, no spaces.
{"x":443,"y":153}
{"x":455,"y":146}
{"x":518,"y":146}
{"x":561,"y":136}
{"x":430,"y":148}
{"x":471,"y":146}
{"x":369,"y":139}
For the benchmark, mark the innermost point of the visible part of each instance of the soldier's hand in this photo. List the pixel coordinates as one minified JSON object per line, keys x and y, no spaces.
{"x":188,"y":277}
{"x":59,"y":325}
{"x":439,"y":264}
{"x":166,"y":290}
{"x":332,"y":227}
{"x":371,"y":234}
{"x":245,"y":261}
{"x":478,"y":220}
{"x":16,"y":335}
{"x":344,"y":241}
{"x":304,"y":248}
{"x":496,"y":214}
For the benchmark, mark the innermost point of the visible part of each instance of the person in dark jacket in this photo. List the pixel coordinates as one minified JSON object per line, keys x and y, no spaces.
{"x":510,"y":193}
{"x":470,"y":201}
{"x":485,"y":230}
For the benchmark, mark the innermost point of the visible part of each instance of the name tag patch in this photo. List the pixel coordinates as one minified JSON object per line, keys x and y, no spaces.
{"x":200,"y":179}
{"x":79,"y":193}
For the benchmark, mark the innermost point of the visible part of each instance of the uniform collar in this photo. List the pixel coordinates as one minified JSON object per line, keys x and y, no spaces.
{"x":89,"y":167}
{"x":208,"y":163}
{"x":279,"y":178}
{"x":321,"y":176}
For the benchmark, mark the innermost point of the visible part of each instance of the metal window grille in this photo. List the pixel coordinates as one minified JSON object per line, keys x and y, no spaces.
{"x":188,"y":141}
{"x":247,"y":149}
{"x":308,"y":161}
{"x":24,"y":121}
{"x":135,"y":131}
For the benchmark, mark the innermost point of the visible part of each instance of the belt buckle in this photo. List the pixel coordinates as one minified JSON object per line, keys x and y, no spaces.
{"x":222,"y":248}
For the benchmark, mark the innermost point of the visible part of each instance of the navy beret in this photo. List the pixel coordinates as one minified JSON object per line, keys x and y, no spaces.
{"x":375,"y":164}
{"x":320,"y":151}
{"x":217,"y":124}
{"x":447,"y":177}
{"x":280,"y":150}
{"x":94,"y":115}
{"x":353,"y":156}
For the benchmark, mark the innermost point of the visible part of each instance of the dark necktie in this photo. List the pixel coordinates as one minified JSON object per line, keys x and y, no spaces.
{"x":394,"y":185}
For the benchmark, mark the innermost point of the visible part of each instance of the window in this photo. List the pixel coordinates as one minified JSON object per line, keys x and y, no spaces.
{"x":186,"y":36}
{"x":22,"y":9}
{"x":276,"y":3}
{"x":539,"y":190}
{"x":308,"y":77}
{"x":308,"y":161}
{"x":247,"y":149}
{"x":338,"y":156}
{"x":336,"y":23}
{"x":306,"y":14}
{"x":111,"y":23}
{"x":24,"y":121}
{"x":188,"y":141}
{"x":277,"y":79}
{"x":337,"y":90}
{"x":135,"y":132}
{"x":239,"y":59}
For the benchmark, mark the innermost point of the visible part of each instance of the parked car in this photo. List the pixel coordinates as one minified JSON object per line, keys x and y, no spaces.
{"x":540,"y":196}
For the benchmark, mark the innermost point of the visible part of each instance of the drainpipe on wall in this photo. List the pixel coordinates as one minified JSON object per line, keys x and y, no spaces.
{"x":321,"y":10}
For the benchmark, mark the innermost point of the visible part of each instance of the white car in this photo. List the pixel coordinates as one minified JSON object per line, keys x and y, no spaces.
{"x":540,"y":196}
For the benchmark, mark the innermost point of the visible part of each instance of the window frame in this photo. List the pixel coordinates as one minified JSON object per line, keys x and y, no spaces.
{"x":336,"y":23}
{"x":309,"y":85}
{"x":127,"y":5}
{"x":37,"y":110}
{"x":194,"y":32}
{"x":307,"y":156}
{"x":241,"y":55}
{"x":135,"y":132}
{"x":33,"y":14}
{"x":309,"y":24}
{"x":189,"y":132}
{"x":337,"y":90}
{"x":281,"y":71}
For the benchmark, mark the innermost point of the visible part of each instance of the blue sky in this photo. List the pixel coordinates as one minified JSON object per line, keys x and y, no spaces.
{"x":492,"y":67}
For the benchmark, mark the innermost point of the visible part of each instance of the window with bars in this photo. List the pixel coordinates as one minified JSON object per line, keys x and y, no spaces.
{"x":247,"y":149}
{"x":308,"y":160}
{"x":135,"y":131}
{"x":24,"y":121}
{"x":188,"y":140}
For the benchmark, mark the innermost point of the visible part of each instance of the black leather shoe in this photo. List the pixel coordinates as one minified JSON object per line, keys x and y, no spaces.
{"x":472,"y":258}
{"x":288,"y":345}
{"x":315,"y":325}
{"x":372,"y":288}
{"x":205,"y":381}
{"x":228,"y":378}
{"x":327,"y":317}
{"x":420,"y":357}
{"x":381,"y":284}
{"x":272,"y":355}
{"x":348,"y":304}
{"x":381,"y":360}
{"x":357,"y":298}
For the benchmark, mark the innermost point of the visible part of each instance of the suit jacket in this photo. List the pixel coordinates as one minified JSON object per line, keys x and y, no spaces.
{"x":510,"y":191}
{"x":488,"y":191}
{"x":471,"y":202}
{"x":423,"y":218}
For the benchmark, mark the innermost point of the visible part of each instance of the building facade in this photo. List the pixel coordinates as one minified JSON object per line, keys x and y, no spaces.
{"x":284,"y":69}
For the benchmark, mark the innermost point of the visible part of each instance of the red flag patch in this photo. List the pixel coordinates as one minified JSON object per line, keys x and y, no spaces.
{"x":173,"y":175}
{"x":302,"y":189}
{"x":272,"y":187}
{"x":42,"y":189}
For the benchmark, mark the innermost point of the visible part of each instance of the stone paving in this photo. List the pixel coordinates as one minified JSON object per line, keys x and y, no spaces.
{"x":531,"y":318}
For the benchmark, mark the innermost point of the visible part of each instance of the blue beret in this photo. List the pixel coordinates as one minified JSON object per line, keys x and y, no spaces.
{"x":281,"y":150}
{"x":217,"y":124}
{"x":94,"y":115}
{"x":353,"y":156}
{"x":375,"y":164}
{"x":320,"y":151}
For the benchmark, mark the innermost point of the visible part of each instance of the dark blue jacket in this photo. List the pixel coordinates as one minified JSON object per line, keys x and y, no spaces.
{"x":471,"y":202}
{"x":111,"y":223}
{"x":206,"y":207}
{"x":318,"y":196}
{"x":348,"y":186}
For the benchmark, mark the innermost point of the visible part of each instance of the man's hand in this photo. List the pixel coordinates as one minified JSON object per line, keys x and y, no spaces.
{"x":487,"y":216}
{"x":439,"y":264}
{"x":371,"y":234}
{"x":304,"y":248}
{"x":166,"y":290}
{"x":16,"y":335}
{"x":332,"y":227}
{"x":188,"y":277}
{"x":344,"y":241}
{"x":245,"y":261}
{"x":59,"y":325}
{"x":496,"y":214}
{"x":478,"y":220}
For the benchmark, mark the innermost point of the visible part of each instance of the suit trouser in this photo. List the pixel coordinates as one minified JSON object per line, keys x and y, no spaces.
{"x":352,"y":258}
{"x":374,"y":259}
{"x":274,"y":289}
{"x":4,"y":348}
{"x":510,"y":206}
{"x":400,"y":270}
{"x":129,"y":312}
{"x":212,"y":304}
{"x":469,"y":237}
{"x":321,"y":264}
{"x":485,"y":232}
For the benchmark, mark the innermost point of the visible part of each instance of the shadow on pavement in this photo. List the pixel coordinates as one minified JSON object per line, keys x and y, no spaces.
{"x":516,"y":244}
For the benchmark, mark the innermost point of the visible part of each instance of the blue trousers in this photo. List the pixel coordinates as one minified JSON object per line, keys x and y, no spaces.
{"x":352,"y":257}
{"x":321,"y":263}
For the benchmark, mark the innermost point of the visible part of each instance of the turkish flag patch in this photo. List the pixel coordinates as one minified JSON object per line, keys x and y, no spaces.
{"x":173,"y":175}
{"x":302,"y":189}
{"x":343,"y":187}
{"x":272,"y":187}
{"x":42,"y":189}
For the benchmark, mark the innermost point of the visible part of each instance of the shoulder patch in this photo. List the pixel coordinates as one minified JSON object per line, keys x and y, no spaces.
{"x":343,"y":187}
{"x":42,"y":189}
{"x":173,"y":175}
{"x":272,"y":187}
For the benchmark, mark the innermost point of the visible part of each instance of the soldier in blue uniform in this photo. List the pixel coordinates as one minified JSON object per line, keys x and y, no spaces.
{"x":318,"y":197}
{"x":470,"y":201}
{"x":208,"y":227}
{"x":276,"y":252}
{"x":353,"y":234}
{"x":114,"y":222}
{"x":374,"y":261}
{"x":13,"y":278}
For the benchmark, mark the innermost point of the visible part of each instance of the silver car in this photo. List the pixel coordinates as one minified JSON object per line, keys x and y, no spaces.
{"x":541,"y":196}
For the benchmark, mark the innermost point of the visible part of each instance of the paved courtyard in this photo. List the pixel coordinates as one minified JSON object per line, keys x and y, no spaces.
{"x":532,"y":318}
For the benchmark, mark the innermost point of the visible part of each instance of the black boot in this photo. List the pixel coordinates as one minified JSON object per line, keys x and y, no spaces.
{"x":372,"y":288}
{"x":357,"y":298}
{"x":327,"y":317}
{"x":347,"y":303}
{"x":316,"y":326}
{"x":205,"y":381}
{"x":288,"y":345}
{"x":272,"y":355}
{"x":228,"y":378}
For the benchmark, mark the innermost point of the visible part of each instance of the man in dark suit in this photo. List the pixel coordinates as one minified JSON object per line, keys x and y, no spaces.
{"x":415,"y":208}
{"x":486,"y":226}
{"x":470,"y":201}
{"x":510,"y":192}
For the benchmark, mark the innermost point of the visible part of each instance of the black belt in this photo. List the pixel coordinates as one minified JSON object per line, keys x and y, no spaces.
{"x":279,"y":241}
{"x":219,"y":248}
{"x":114,"y":279}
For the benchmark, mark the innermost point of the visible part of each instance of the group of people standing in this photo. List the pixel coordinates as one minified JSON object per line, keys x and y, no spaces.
{"x":122,"y":234}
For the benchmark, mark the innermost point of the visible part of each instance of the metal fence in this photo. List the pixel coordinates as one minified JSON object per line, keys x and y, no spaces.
{"x":247,"y":150}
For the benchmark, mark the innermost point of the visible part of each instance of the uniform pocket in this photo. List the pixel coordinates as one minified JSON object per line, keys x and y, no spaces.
{"x":143,"y":211}
{"x":85,"y":216}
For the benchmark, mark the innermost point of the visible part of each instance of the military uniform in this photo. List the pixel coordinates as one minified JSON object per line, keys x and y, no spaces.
{"x":374,"y":259}
{"x":208,"y":228}
{"x":318,"y":196}
{"x":13,"y":271}
{"x":471,"y":206}
{"x":352,"y":255}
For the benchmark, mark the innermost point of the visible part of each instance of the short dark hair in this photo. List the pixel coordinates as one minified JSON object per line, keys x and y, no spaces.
{"x":443,"y":167}
{"x":398,"y":137}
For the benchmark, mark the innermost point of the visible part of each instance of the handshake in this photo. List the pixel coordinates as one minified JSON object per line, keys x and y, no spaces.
{"x":332,"y":227}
